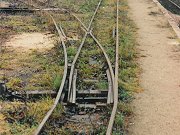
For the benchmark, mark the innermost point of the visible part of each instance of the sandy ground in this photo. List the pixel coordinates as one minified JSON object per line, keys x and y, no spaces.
{"x":29,"y":41}
{"x":176,"y":18}
{"x":157,"y":108}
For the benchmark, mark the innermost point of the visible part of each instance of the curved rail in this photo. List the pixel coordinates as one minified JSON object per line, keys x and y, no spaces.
{"x":79,"y":50}
{"x":113,"y":77}
{"x":113,"y":114}
{"x":60,"y":32}
{"x":101,"y":47}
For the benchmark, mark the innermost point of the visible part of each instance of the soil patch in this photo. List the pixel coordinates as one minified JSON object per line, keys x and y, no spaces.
{"x":27,"y":41}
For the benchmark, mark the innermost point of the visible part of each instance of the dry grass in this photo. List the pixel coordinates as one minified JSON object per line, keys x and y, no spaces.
{"x":23,"y":118}
{"x":43,"y":70}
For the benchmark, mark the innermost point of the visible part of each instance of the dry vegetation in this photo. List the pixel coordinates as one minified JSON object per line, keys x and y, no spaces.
{"x":42,"y":70}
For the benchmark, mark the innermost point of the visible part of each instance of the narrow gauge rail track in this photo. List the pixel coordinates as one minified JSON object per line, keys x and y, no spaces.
{"x":112,"y":93}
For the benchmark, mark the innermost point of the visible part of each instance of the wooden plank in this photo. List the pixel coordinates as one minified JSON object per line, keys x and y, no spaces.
{"x":91,"y":98}
{"x":90,"y":81}
{"x":98,"y":104}
{"x":31,"y":10}
{"x":35,"y":92}
{"x":92,"y":105}
{"x":91,"y":91}
{"x":86,"y":105}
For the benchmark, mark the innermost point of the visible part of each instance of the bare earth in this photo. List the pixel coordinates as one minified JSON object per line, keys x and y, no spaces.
{"x":157,"y":108}
{"x":29,"y":41}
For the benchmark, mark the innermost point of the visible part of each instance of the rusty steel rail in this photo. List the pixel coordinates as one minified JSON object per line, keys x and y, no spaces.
{"x":79,"y":50}
{"x":114,"y":77}
{"x":102,"y":49}
{"x":113,"y":114}
{"x":60,"y":32}
{"x":100,"y":46}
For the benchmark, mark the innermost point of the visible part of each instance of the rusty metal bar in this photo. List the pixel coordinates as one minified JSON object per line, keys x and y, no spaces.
{"x":62,"y":82}
{"x":100,"y":46}
{"x":79,"y":49}
{"x":74,"y":87}
{"x":113,"y":114}
{"x":110,"y":88}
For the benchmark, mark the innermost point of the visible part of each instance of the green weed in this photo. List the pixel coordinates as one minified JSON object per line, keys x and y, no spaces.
{"x":57,"y":82}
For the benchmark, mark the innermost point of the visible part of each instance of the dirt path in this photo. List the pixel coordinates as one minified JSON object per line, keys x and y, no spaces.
{"x":157,"y":109}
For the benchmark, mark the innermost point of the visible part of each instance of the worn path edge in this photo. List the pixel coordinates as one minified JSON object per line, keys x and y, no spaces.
{"x":157,"y":108}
